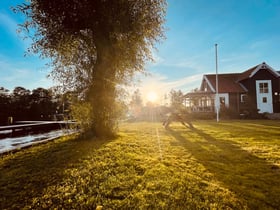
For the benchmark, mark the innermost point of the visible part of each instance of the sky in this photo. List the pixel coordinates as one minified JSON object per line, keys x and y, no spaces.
{"x":247,"y":33}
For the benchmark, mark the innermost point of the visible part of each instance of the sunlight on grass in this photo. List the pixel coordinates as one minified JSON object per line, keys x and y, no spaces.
{"x":214,"y":166}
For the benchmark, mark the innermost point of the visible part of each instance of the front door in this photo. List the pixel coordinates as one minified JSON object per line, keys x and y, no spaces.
{"x":264,"y":96}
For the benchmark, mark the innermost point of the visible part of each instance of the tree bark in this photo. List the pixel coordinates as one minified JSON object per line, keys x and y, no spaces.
{"x":101,"y":93}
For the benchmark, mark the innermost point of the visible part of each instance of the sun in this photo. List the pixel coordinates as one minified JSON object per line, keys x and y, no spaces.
{"x":152,"y":96}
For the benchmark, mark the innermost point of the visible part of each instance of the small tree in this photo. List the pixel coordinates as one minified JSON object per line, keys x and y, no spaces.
{"x":136,"y":103}
{"x":177,"y":100}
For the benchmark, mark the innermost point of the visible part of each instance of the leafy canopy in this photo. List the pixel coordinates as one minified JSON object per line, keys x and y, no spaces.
{"x":95,"y":45}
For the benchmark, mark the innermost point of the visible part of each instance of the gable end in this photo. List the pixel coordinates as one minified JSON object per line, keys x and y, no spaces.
{"x":209,"y":83}
{"x":264,"y":66}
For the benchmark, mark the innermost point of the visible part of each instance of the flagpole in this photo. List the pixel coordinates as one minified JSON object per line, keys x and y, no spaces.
{"x":217,"y":84}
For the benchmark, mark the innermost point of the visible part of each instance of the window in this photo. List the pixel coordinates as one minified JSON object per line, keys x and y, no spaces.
{"x":205,"y":87}
{"x":264,"y":99}
{"x":263,"y":87}
{"x":222,"y":101}
{"x":42,"y":95}
{"x":243,"y":98}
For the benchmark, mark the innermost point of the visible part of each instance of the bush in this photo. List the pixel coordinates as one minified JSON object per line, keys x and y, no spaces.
{"x":81,"y":112}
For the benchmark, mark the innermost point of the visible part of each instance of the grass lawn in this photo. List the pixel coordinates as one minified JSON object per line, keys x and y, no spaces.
{"x":229,"y":165}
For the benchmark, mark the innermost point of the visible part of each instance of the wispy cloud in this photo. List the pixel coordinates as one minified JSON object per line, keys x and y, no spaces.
{"x":187,"y":63}
{"x":8,"y":23}
{"x":23,"y":74}
{"x":162,"y":85}
{"x":186,"y":83}
{"x":261,"y":44}
{"x":11,"y":26}
{"x":157,"y":59}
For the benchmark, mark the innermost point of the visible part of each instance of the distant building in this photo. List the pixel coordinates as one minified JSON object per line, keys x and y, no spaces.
{"x":256,"y":89}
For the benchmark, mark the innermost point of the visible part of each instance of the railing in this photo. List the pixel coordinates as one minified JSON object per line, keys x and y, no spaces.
{"x":32,"y":127}
{"x":203,"y":109}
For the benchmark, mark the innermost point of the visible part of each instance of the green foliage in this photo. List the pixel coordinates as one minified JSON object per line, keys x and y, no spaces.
{"x":136,"y":99}
{"x":23,"y":104}
{"x":5,"y":107}
{"x":229,"y":165}
{"x":81,"y":112}
{"x":177,"y":100}
{"x":95,"y":46}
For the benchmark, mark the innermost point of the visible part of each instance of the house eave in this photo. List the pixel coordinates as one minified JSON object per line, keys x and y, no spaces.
{"x":209,"y":83}
{"x":264,"y":66}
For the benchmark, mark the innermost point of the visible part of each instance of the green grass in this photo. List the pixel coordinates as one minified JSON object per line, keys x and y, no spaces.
{"x":229,"y":165}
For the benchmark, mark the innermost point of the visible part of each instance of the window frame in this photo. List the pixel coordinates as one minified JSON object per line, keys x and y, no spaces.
{"x":263,"y":87}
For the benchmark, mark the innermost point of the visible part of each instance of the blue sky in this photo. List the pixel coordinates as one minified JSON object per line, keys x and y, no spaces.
{"x":247,"y":33}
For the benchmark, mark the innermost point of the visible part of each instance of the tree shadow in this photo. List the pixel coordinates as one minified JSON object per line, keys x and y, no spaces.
{"x":27,"y":173}
{"x":250,"y":177}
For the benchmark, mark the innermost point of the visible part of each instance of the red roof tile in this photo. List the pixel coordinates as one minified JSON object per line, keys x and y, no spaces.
{"x":227,"y":83}
{"x":246,"y":74}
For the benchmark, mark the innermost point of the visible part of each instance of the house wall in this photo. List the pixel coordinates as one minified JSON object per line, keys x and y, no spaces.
{"x":276,"y":98}
{"x":250,"y":84}
{"x":240,"y":106}
{"x":234,"y":101}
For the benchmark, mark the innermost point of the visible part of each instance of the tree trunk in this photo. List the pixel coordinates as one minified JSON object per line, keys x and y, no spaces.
{"x":102,"y":92}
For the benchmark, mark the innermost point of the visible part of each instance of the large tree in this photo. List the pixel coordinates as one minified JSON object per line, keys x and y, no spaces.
{"x":20,"y":103}
{"x":5,"y":105}
{"x":95,"y":46}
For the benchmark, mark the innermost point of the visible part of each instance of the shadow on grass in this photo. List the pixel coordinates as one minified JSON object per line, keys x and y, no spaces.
{"x":251,"y":178}
{"x":25,"y":174}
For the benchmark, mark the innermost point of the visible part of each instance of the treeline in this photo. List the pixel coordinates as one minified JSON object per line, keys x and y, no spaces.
{"x":38,"y":104}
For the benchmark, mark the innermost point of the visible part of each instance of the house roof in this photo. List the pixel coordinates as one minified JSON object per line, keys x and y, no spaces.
{"x":246,"y":74}
{"x":230,"y":83}
{"x":252,"y":71}
{"x":227,"y":83}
